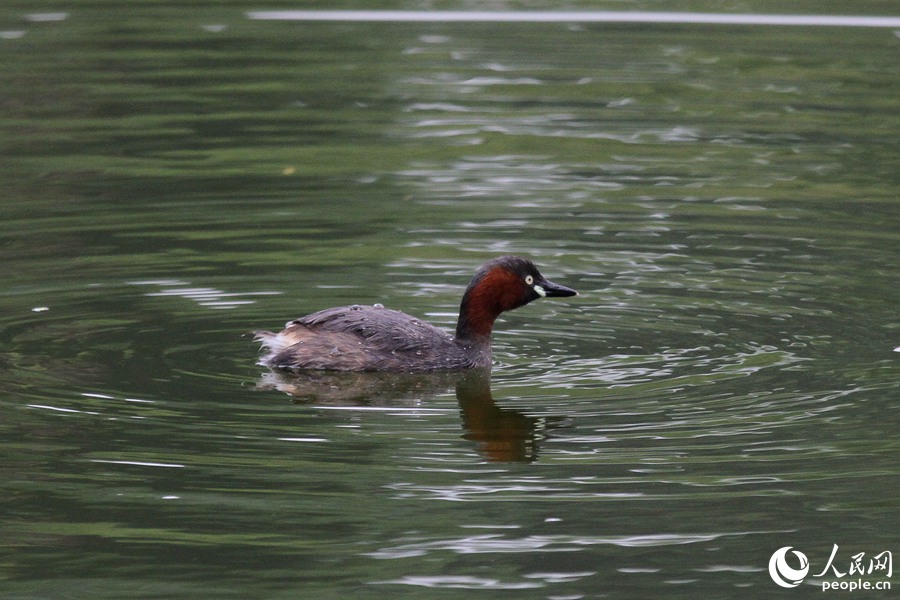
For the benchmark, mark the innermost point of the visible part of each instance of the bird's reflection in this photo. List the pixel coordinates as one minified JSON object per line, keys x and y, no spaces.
{"x":501,"y":434}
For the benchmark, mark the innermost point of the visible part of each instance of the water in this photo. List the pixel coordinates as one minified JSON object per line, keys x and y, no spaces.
{"x":723,"y":197}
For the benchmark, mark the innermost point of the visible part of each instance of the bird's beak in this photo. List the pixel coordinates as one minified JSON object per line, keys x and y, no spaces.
{"x":548,"y":289}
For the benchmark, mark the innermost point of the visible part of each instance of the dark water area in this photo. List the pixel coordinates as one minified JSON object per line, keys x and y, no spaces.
{"x":723,"y":197}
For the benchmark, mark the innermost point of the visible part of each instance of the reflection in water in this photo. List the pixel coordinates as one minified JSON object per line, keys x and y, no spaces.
{"x":349,"y":388}
{"x":502,"y":434}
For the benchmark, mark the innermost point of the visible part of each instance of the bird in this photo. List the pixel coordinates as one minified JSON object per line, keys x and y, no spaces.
{"x":374,"y":338}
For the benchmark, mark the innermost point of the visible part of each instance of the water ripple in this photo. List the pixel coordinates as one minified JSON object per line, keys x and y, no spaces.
{"x":495,"y":543}
{"x":204,"y":296}
{"x":458,"y":581}
{"x":586,"y":16}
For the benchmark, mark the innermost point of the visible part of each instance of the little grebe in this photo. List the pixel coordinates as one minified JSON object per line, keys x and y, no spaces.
{"x":373,"y":338}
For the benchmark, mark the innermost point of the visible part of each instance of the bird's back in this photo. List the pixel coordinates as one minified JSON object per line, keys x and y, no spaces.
{"x":362,"y":338}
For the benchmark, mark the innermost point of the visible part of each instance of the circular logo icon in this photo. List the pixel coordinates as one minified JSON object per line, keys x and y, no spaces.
{"x":782,"y":574}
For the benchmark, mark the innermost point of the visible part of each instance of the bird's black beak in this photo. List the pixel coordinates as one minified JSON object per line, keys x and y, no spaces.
{"x":548,"y":289}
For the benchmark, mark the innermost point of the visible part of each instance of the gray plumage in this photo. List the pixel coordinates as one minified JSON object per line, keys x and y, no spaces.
{"x":366,"y":338}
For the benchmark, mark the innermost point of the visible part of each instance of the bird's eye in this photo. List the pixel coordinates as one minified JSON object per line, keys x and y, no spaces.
{"x":529,"y":279}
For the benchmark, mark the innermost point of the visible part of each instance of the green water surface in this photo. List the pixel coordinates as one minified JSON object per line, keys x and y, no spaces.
{"x":724,"y":198}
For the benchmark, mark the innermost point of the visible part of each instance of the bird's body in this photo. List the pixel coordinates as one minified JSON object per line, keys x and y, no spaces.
{"x":373,"y":338}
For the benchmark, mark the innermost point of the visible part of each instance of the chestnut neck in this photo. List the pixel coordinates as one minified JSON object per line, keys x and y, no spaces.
{"x":487,"y":296}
